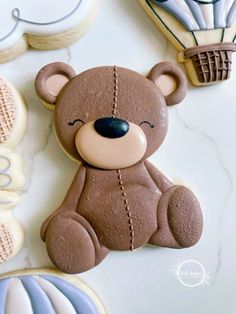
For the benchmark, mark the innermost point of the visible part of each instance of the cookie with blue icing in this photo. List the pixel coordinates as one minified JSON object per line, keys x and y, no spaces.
{"x":47,"y":292}
{"x":203,"y":32}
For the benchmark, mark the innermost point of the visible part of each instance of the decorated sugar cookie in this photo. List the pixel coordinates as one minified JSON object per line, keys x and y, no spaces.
{"x":203,"y":32}
{"x":42,"y":25}
{"x":46,"y":292}
{"x":13,"y":121}
{"x":112,"y":119}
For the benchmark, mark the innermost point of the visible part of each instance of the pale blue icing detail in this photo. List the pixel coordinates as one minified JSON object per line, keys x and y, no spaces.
{"x":171,"y":7}
{"x":38,"y":298}
{"x":4,"y":284}
{"x":214,"y":17}
{"x":81,"y":301}
{"x":218,"y":14}
{"x":232,"y":15}
{"x":197,"y":13}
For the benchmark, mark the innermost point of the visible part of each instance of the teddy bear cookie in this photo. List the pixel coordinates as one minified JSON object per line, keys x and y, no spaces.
{"x":112,"y":119}
{"x":203,"y":32}
{"x":13,"y":121}
{"x":43,"y":25}
{"x":46,"y":292}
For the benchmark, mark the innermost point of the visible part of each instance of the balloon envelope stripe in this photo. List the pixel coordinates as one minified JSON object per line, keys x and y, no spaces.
{"x":231,"y":15}
{"x":38,"y":298}
{"x":164,"y":24}
{"x":81,"y":302}
{"x":174,"y":9}
{"x":4,"y":284}
{"x":197,"y":13}
{"x":202,"y":15}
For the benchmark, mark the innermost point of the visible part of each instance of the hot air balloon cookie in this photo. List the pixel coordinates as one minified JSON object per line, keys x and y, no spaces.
{"x":46,"y":292}
{"x":203,"y":32}
{"x":13,"y":122}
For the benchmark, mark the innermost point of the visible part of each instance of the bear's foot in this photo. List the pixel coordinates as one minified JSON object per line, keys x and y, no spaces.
{"x":179,"y":219}
{"x":72,"y":244}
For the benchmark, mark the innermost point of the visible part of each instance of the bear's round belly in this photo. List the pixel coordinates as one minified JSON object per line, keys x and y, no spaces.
{"x":122,"y":219}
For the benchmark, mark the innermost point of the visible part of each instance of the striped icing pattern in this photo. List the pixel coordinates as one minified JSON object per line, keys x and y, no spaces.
{"x":41,"y":294}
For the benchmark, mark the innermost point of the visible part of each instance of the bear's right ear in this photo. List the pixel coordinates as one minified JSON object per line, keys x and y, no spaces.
{"x":50,"y":81}
{"x":171,"y":81}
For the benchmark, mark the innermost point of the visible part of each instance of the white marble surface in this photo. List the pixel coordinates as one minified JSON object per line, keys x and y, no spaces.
{"x":200,"y":149}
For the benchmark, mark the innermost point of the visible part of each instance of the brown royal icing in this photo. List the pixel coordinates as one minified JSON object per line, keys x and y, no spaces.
{"x":212,"y":62}
{"x":112,"y":119}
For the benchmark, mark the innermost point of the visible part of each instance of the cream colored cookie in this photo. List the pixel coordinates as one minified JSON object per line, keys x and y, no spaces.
{"x":11,"y":171}
{"x":202,"y":33}
{"x":13,"y":123}
{"x":47,"y":291}
{"x":11,"y":237}
{"x":43,"y":25}
{"x":8,"y":200}
{"x":13,"y":115}
{"x":11,"y":232}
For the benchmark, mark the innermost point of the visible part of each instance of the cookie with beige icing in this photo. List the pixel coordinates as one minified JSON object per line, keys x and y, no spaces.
{"x":43,"y":25}
{"x":46,"y":291}
{"x":203,"y":33}
{"x":13,"y":123}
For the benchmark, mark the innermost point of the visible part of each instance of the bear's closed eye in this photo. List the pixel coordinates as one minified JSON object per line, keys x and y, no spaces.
{"x":71,"y":123}
{"x":149,"y":123}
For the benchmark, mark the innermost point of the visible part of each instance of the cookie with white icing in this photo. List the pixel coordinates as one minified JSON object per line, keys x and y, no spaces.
{"x":11,"y":171}
{"x":43,"y":25}
{"x":13,"y":122}
{"x":203,"y":32}
{"x":46,"y":292}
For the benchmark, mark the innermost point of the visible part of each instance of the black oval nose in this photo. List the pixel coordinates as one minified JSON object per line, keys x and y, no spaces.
{"x":111,"y":127}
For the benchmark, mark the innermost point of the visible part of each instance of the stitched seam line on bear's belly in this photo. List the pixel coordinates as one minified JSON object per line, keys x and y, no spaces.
{"x":115,"y":92}
{"x":127,"y":208}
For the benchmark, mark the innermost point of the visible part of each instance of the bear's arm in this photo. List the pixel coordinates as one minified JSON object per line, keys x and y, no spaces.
{"x":73,"y":195}
{"x":71,"y":200}
{"x":161,"y":181}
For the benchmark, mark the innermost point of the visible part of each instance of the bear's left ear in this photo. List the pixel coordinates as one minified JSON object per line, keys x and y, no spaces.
{"x":50,"y":81}
{"x":171,"y":80}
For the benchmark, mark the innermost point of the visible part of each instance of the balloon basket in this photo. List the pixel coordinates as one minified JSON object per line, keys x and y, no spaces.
{"x":208,"y":64}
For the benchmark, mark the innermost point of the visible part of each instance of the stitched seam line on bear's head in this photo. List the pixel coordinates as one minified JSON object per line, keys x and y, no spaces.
{"x":115,"y":92}
{"x":127,"y":208}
